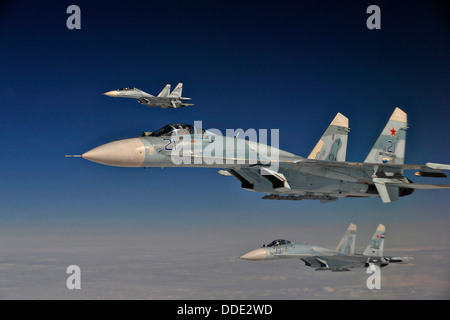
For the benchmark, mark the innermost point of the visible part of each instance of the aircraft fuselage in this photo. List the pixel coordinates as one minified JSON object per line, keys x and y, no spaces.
{"x":242,"y":159}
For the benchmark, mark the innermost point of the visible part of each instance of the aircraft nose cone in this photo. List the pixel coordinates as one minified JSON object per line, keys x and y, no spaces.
{"x":255,"y":255}
{"x":113,"y":93}
{"x":121,"y":153}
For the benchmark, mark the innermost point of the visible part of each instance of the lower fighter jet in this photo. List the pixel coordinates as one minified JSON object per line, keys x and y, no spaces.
{"x":324,"y":175}
{"x":165,"y":99}
{"x":343,"y":258}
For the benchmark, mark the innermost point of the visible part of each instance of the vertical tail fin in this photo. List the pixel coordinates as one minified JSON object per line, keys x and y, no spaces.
{"x":165,"y":92}
{"x":176,"y":93}
{"x":347,"y":243}
{"x":390,"y":146}
{"x":332,"y":146}
{"x":376,"y":245}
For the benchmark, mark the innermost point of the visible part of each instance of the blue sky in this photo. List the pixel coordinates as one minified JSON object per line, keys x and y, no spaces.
{"x":246,"y":64}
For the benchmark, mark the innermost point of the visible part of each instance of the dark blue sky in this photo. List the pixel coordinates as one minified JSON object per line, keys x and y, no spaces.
{"x":247,"y":64}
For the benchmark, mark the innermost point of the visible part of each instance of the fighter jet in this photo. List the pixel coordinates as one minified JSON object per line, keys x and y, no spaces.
{"x":343,"y":258}
{"x":324,"y":175}
{"x":165,"y":99}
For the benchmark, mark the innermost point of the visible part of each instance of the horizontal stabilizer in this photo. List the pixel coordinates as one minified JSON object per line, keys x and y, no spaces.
{"x":180,"y":105}
{"x":438,"y":166}
{"x":420,"y":186}
{"x":386,"y":167}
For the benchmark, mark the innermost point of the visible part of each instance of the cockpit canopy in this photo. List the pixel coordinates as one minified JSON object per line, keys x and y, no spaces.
{"x":279,"y":242}
{"x":126,"y":89}
{"x":177,"y":129}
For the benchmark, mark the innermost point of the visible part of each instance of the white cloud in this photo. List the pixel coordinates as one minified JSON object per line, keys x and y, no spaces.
{"x":202,"y":264}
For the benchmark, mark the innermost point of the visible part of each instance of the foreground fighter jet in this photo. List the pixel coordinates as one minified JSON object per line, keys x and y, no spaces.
{"x":324,"y":175}
{"x":343,"y":258}
{"x":165,"y":99}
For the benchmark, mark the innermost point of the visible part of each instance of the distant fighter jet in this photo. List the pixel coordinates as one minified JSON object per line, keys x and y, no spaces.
{"x":343,"y":258}
{"x":324,"y":175}
{"x":165,"y":99}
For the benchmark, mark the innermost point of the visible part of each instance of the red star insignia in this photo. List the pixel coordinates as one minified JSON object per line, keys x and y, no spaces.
{"x":393,"y":131}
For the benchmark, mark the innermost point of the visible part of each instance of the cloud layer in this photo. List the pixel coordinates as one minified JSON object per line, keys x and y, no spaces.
{"x":203,"y":264}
